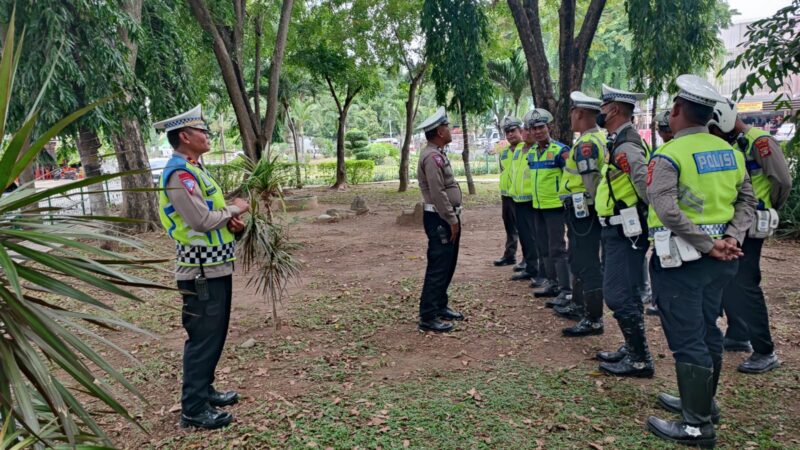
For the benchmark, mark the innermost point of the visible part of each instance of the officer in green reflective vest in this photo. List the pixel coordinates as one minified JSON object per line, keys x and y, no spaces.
{"x":578,"y":192}
{"x":701,"y":205}
{"x":743,"y":299}
{"x":512,"y":127}
{"x":546,"y":161}
{"x":194,"y":213}
{"x":621,"y":209}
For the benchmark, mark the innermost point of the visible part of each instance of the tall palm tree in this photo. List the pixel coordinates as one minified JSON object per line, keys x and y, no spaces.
{"x":512,"y":75}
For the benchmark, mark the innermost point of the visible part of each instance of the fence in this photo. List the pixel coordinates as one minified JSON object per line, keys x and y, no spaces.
{"x":77,"y":201}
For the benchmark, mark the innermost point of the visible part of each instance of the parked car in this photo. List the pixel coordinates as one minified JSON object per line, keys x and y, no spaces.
{"x":157,"y":167}
{"x":785,"y":132}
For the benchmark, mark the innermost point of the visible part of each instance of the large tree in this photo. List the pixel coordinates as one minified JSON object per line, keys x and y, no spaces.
{"x":228,"y":28}
{"x":573,"y":51}
{"x":687,"y":42}
{"x":455,"y":32}
{"x":511,"y":74}
{"x":340,"y":53}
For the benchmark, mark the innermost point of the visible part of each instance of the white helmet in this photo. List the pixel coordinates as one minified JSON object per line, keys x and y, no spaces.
{"x":724,"y":116}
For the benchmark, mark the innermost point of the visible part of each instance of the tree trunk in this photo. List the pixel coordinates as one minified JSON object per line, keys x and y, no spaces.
{"x":465,"y":153}
{"x":275,"y":73}
{"x":88,"y":147}
{"x":292,"y":128}
{"x":411,"y":112}
{"x":341,"y":170}
{"x":132,"y":155}
{"x":653,"y":124}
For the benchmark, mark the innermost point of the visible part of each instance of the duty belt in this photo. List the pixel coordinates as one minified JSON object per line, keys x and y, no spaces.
{"x":715,"y":229}
{"x":610,"y":221}
{"x":429,"y":207}
{"x":196,"y":255}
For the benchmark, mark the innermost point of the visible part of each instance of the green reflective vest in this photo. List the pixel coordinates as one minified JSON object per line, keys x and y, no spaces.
{"x":193,"y":247}
{"x":506,"y":157}
{"x":586,"y":155}
{"x":710,"y":173}
{"x":521,"y":186}
{"x":757,"y":141}
{"x":614,"y":182}
{"x":547,"y":171}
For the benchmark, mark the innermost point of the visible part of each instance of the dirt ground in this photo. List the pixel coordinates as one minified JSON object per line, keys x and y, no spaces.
{"x":348,"y":342}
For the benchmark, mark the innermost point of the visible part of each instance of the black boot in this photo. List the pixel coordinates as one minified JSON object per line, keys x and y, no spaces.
{"x":435,"y":325}
{"x":696,"y":387}
{"x":505,"y":261}
{"x":549,"y":289}
{"x":520,"y":267}
{"x":613,"y":356}
{"x":217,"y":398}
{"x":638,"y":362}
{"x":673,"y":404}
{"x":565,"y":300}
{"x":210,"y":419}
{"x":592,"y":321}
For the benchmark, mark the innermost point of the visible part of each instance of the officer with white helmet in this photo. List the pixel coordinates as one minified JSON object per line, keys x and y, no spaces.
{"x":743,"y":299}
{"x":701,"y":205}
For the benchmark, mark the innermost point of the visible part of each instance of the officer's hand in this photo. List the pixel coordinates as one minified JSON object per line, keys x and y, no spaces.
{"x":722,"y":250}
{"x":454,"y":230}
{"x":235,"y":225}
{"x":242,"y":204}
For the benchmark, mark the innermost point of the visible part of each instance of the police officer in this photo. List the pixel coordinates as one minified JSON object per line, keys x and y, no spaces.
{"x":578,"y":191}
{"x":521,"y":190}
{"x":621,"y":208}
{"x":546,"y":160}
{"x":512,"y":127}
{"x":701,"y":205}
{"x":441,"y":196}
{"x":743,"y":299}
{"x":193,"y":211}
{"x":666,"y":135}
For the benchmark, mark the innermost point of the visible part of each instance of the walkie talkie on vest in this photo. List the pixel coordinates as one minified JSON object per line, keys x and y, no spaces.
{"x":201,"y":285}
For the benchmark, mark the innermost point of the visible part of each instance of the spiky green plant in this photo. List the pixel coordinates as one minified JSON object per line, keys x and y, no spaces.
{"x":50,"y":286}
{"x":264,"y":247}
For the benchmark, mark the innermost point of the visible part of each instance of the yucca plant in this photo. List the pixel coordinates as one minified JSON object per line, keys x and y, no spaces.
{"x":49,"y":371}
{"x":264,"y":248}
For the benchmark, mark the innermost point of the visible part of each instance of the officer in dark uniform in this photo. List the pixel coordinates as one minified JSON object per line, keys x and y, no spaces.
{"x":743,"y":299}
{"x":578,"y":192}
{"x":621,"y":208}
{"x":701,"y":205}
{"x":512,"y":127}
{"x":441,"y":196}
{"x":193,"y":211}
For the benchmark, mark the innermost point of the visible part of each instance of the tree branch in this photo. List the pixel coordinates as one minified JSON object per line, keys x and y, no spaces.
{"x":566,"y":37}
{"x":259,"y":23}
{"x":275,"y":72}
{"x":584,"y":41}
{"x":333,"y":93}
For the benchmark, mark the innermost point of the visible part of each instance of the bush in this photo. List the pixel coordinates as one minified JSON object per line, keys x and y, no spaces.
{"x":356,"y":141}
{"x":790,"y":213}
{"x":358,"y":171}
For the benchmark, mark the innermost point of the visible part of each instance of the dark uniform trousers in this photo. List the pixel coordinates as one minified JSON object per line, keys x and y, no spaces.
{"x":689,"y":298}
{"x":744,"y":303}
{"x":510,"y":224}
{"x":549,"y":226}
{"x":206,"y":323}
{"x":442,"y":259}
{"x":523,"y":212}
{"x":623,"y":266}
{"x":584,"y":248}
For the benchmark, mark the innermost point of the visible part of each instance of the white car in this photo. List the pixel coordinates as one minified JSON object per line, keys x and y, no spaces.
{"x":785,"y":132}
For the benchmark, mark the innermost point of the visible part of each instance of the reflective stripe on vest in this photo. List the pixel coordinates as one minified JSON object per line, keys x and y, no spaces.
{"x":521,"y":187}
{"x":572,"y":180}
{"x":761,"y":185}
{"x":621,"y":183}
{"x":193,"y":247}
{"x":547,"y":174}
{"x":710,"y":173}
{"x":506,"y":157}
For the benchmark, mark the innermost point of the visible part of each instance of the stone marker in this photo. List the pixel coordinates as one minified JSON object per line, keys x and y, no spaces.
{"x":411,"y":217}
{"x":359,"y":205}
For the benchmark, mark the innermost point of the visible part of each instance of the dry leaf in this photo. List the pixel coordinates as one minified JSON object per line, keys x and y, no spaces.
{"x":595,"y":446}
{"x":406,"y":443}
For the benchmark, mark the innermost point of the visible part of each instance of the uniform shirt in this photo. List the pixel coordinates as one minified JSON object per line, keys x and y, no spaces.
{"x":437,"y":183}
{"x":636,"y":162}
{"x":662,"y":193}
{"x":769,"y":155}
{"x":193,"y":209}
{"x":588,"y":164}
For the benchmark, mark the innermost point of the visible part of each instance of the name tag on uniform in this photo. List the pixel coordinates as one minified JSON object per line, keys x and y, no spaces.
{"x":715,"y":161}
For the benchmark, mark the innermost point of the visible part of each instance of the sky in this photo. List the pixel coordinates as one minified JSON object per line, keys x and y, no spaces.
{"x":756,"y":9}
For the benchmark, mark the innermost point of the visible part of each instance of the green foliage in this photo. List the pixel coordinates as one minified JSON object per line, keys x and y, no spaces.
{"x":790,"y":213}
{"x":671,"y":38}
{"x":455,"y":32}
{"x":51,"y":293}
{"x":358,"y":171}
{"x":511,"y":74}
{"x":772,"y":55}
{"x":610,"y":54}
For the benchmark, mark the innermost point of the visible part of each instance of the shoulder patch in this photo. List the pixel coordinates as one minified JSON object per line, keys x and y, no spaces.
{"x":622,"y":162}
{"x":650,"y":166}
{"x":188,"y":181}
{"x":438,"y":159}
{"x":762,"y":145}
{"x":587,"y":148}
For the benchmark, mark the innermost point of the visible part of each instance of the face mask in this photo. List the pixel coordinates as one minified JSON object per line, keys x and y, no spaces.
{"x":601,"y":120}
